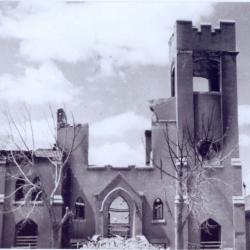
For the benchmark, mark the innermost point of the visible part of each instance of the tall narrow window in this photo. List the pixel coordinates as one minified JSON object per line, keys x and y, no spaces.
{"x":19,"y":195}
{"x":158,"y":209}
{"x":79,"y":208}
{"x":173,"y":82}
{"x":36,"y":194}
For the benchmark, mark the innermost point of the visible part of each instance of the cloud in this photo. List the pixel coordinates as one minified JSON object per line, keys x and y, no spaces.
{"x":244,"y":140}
{"x":244,"y":115}
{"x":117,"y":154}
{"x":116,"y":33}
{"x":119,"y":125}
{"x":43,"y":134}
{"x":37,"y":86}
{"x":110,"y":142}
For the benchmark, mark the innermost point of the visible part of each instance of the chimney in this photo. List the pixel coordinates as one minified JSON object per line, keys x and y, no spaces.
{"x":61,"y":119}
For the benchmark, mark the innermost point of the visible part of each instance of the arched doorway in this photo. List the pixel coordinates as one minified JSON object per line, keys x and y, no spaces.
{"x":26,"y":234}
{"x":210,"y":237}
{"x":119,"y":218}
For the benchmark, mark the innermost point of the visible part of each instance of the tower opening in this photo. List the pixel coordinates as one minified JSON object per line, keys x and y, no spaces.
{"x":206,"y":75}
{"x":173,"y":82}
{"x":200,"y":84}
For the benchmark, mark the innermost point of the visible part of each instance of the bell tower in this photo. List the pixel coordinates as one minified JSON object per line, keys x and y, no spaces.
{"x":204,"y":86}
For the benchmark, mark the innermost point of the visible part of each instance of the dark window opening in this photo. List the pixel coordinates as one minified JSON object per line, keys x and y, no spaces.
{"x":19,"y":195}
{"x":158,"y":209}
{"x":26,"y":234}
{"x":148,"y":139}
{"x":36,"y":194}
{"x":79,"y":209}
{"x":210,"y":235}
{"x":173,"y":82}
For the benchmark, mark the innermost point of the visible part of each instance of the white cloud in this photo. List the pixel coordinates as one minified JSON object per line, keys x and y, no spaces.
{"x":37,"y":86}
{"x":117,"y":154}
{"x":43,"y":134}
{"x":119,"y":125}
{"x":117,"y":149}
{"x":119,"y":32}
{"x":244,"y":140}
{"x":244,"y":115}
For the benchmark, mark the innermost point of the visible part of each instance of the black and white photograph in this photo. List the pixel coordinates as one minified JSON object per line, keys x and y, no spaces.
{"x":125,"y":124}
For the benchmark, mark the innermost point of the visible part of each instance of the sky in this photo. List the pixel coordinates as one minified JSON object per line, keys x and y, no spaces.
{"x":103,"y":61}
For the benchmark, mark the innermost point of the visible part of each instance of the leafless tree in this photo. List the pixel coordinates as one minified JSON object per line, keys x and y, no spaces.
{"x":22,"y":162}
{"x":194,"y":156}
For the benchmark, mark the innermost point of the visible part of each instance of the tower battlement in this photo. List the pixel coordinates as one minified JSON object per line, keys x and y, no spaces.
{"x":205,"y":37}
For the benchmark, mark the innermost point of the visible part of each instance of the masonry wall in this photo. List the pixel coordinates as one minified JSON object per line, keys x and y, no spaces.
{"x":88,"y":181}
{"x":39,"y":214}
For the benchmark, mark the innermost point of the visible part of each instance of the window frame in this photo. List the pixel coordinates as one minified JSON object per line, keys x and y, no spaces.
{"x":158,"y":217}
{"x":80,"y":212}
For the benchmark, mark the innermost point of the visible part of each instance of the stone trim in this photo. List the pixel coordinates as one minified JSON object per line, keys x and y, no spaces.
{"x":184,"y":51}
{"x":235,"y":162}
{"x":165,"y":121}
{"x":110,"y":193}
{"x":119,"y":168}
{"x":2,"y":197}
{"x":240,"y":200}
{"x":161,"y":221}
{"x":57,"y":199}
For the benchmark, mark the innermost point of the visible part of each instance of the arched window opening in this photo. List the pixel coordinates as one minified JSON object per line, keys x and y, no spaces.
{"x":119,"y":221}
{"x":210,"y":237}
{"x":26,"y":234}
{"x":158,"y":209}
{"x":19,"y":191}
{"x":200,"y":84}
{"x":36,"y":194}
{"x":79,"y":209}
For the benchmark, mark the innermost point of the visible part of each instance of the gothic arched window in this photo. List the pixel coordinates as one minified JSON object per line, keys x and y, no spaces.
{"x":79,"y":208}
{"x":158,"y":209}
{"x":19,"y":189}
{"x":210,"y":235}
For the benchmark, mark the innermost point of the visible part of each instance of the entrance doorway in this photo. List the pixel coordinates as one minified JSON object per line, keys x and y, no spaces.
{"x":118,"y":218}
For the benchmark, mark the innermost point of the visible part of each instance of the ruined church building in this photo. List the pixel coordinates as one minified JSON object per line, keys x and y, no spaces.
{"x":137,"y":195}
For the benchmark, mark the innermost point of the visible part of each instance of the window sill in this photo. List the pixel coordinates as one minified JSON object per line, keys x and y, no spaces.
{"x":28,"y":203}
{"x":161,"y":221}
{"x":213,"y":166}
{"x":79,"y":220}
